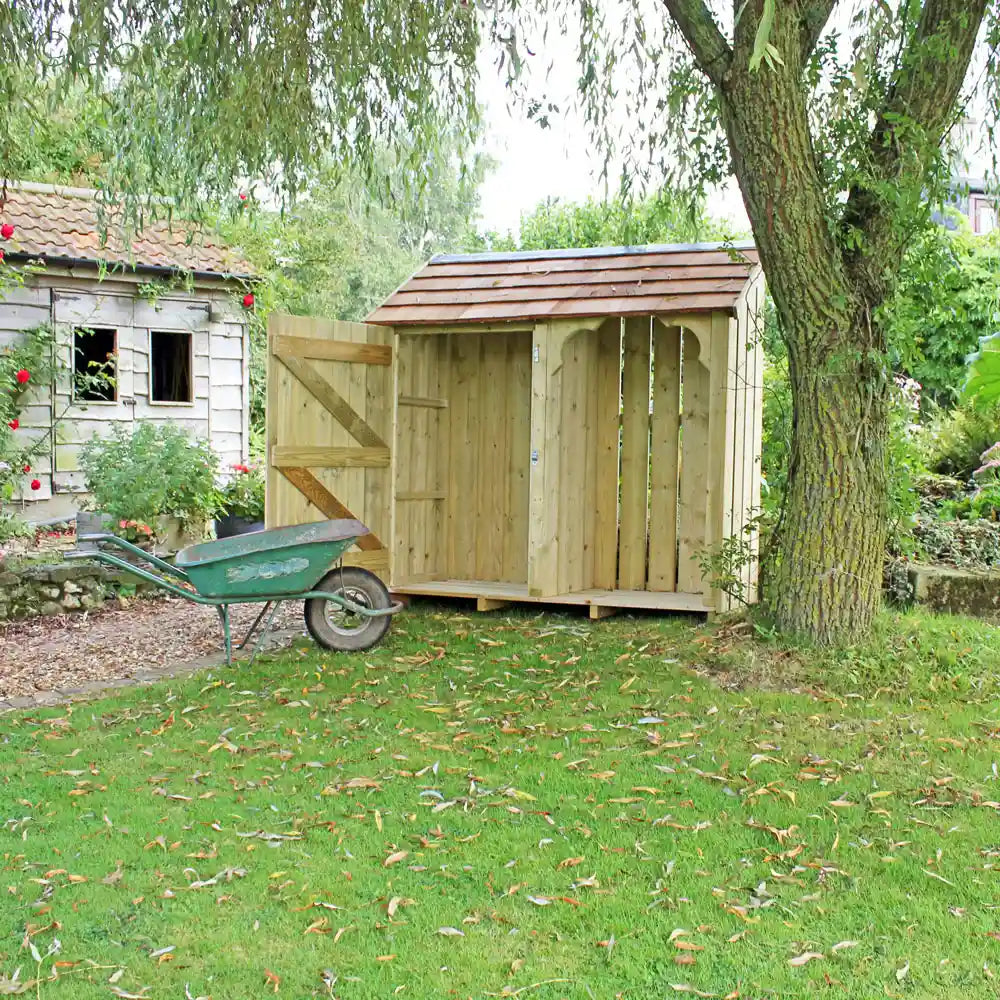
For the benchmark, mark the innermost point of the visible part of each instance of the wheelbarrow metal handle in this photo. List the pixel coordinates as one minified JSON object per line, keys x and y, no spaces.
{"x":95,"y":540}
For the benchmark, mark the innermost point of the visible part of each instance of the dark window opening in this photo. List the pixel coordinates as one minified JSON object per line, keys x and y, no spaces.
{"x":170,"y":367}
{"x":94,"y":365}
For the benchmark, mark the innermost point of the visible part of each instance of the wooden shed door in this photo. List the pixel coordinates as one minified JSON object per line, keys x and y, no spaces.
{"x":329,"y":428}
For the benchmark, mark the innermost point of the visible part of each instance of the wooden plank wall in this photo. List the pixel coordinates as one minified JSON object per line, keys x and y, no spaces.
{"x":302,"y":432}
{"x":748,"y":414}
{"x":695,"y":464}
{"x":486,"y":430}
{"x":663,"y":459}
{"x":422,"y":456}
{"x":632,"y":536}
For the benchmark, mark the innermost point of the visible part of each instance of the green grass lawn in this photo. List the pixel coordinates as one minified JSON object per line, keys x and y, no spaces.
{"x":524,"y":805}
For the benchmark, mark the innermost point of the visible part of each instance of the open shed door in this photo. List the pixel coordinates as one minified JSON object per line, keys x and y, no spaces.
{"x":329,"y":428}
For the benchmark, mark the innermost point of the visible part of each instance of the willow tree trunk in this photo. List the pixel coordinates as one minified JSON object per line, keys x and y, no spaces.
{"x":828,"y":285}
{"x":826,"y":579}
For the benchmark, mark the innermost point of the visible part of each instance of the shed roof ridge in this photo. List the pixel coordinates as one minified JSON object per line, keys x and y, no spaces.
{"x":569,"y":253}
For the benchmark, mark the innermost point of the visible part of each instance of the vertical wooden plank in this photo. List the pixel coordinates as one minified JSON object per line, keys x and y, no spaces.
{"x":694,"y":474}
{"x":664,"y":446}
{"x":461,"y":532}
{"x":402,"y":542}
{"x":635,"y":455}
{"x":572,"y":465}
{"x":490,"y":510}
{"x":720,"y":436}
{"x":515,"y":559}
{"x":588,"y":385}
{"x":420,"y":457}
{"x":741,"y":410}
{"x":755,"y":420}
{"x":607,"y":431}
{"x":546,"y":407}
{"x":378,"y":413}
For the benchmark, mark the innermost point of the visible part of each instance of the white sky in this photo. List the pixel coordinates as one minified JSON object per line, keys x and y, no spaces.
{"x":557,"y":162}
{"x":536,"y":163}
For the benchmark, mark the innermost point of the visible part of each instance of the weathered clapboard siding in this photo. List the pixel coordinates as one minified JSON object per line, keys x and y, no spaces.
{"x":73,"y":297}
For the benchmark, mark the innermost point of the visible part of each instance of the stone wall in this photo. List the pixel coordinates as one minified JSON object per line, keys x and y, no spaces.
{"x":36,"y":589}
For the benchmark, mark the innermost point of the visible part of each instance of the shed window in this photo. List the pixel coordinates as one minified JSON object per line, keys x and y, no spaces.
{"x":94,"y":365}
{"x":170,"y":367}
{"x":984,"y":215}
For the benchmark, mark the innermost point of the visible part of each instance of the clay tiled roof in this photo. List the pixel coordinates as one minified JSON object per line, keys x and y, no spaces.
{"x":542,"y":284}
{"x":61,"y":225}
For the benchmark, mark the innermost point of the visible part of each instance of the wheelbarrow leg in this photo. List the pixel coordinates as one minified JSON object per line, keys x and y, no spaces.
{"x":263,"y":632}
{"x":223,"y":610}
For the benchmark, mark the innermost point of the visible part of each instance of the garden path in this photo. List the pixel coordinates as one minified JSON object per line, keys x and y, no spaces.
{"x":56,"y":657}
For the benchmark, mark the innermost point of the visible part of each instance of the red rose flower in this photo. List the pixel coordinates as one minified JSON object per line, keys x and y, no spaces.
{"x":36,"y":484}
{"x":6,"y":230}
{"x":1,"y":256}
{"x":26,"y":469}
{"x":248,"y":299}
{"x":22,"y":376}
{"x":14,"y":424}
{"x":243,"y":196}
{"x":241,"y":468}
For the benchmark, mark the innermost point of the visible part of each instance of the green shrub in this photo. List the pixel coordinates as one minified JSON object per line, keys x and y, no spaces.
{"x":156,"y":470}
{"x":948,"y":297}
{"x":955,"y":440}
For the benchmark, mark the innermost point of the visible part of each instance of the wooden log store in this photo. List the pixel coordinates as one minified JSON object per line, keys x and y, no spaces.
{"x":564,"y":427}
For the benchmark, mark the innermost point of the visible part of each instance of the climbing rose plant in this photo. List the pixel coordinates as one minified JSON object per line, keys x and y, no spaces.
{"x":26,"y":364}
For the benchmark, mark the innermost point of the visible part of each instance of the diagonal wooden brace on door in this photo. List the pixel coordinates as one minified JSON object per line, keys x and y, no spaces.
{"x":332,"y":401}
{"x":318,"y":495}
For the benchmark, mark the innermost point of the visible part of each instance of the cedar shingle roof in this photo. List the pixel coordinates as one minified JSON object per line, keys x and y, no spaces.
{"x":61,"y":225}
{"x":541,"y":284}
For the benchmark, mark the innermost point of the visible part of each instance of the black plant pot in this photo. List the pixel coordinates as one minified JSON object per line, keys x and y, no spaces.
{"x":226,"y":527}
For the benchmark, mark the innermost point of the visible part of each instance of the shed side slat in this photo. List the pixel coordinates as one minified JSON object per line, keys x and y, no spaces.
{"x":664,"y":444}
{"x":635,"y":455}
{"x":607,"y":428}
{"x":694,"y":465}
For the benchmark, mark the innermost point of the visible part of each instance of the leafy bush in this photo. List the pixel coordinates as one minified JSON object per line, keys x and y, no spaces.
{"x":155,"y":470}
{"x":955,"y":440}
{"x":947,"y":299}
{"x":243,"y":495}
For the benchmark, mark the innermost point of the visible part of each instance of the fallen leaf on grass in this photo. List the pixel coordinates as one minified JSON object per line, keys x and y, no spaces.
{"x":450,"y":932}
{"x":805,"y":957}
{"x":841,"y":945}
{"x":395,"y":858}
{"x":396,"y":902}
{"x":569,"y":863}
{"x":902,"y":973}
{"x":125,"y":995}
{"x":272,"y":979}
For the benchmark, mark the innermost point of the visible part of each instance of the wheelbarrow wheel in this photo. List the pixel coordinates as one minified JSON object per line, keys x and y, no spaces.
{"x":332,"y":626}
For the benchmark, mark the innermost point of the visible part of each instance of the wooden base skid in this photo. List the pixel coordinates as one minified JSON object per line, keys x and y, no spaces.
{"x":490,"y":595}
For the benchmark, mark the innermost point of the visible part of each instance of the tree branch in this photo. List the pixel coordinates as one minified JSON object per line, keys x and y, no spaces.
{"x":813,"y":18}
{"x":906,"y":139}
{"x":697,"y":25}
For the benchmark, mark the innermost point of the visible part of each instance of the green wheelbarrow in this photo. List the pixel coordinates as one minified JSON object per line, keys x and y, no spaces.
{"x":346,"y":608}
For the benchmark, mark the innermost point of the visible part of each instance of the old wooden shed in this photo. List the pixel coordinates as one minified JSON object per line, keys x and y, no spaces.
{"x":160,"y":309}
{"x":569,"y":426}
